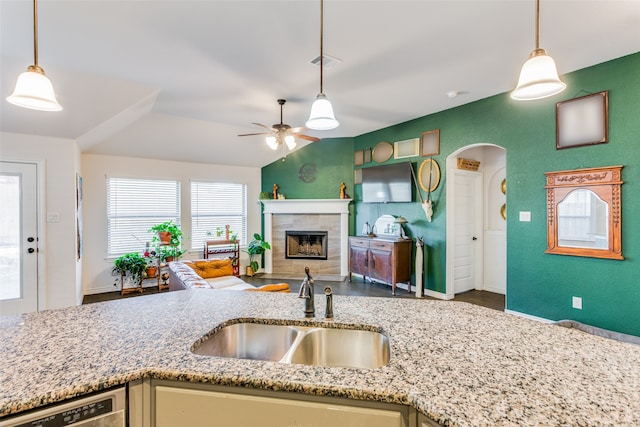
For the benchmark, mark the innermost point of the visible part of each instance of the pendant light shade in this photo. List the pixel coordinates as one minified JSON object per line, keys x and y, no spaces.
{"x":33,"y":89}
{"x":321,"y":117}
{"x":539,"y":75}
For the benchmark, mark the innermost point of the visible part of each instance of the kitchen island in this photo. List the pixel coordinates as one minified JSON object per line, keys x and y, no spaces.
{"x":456,"y":363}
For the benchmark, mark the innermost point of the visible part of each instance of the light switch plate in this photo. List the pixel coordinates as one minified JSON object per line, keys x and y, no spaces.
{"x":53,"y":217}
{"x":576,"y":302}
{"x":525,"y":216}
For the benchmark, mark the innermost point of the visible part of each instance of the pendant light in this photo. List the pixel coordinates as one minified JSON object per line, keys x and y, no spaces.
{"x":321,"y":117}
{"x":539,"y":76}
{"x":33,"y":89}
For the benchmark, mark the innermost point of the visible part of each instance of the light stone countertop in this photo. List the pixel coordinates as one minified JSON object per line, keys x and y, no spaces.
{"x":459,"y":364}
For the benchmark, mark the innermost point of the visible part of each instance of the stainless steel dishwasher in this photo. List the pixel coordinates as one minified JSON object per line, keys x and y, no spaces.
{"x":105,"y":409}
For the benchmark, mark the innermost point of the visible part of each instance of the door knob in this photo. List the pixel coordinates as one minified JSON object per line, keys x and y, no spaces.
{"x":31,"y":250}
{"x":474,"y":238}
{"x":30,"y":239}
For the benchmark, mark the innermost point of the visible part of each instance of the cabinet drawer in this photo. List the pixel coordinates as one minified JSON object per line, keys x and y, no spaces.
{"x":385,"y":246}
{"x":360,"y":243}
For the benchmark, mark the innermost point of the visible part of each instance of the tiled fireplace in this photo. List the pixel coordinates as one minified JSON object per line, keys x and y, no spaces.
{"x":307,"y":232}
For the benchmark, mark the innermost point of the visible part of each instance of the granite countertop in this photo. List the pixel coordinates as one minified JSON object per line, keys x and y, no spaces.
{"x":459,"y":364}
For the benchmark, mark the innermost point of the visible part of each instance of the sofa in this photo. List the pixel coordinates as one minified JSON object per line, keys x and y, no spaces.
{"x":213,"y":274}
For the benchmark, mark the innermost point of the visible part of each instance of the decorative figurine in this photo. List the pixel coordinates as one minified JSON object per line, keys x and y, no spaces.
{"x":343,"y":195}
{"x":275,"y":191}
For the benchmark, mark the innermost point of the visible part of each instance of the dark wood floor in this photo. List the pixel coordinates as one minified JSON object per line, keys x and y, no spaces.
{"x":356,"y":287}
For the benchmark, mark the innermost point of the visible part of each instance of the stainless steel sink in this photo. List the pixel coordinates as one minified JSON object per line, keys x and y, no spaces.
{"x":248,"y":341}
{"x":341,"y":347}
{"x":298,"y":345}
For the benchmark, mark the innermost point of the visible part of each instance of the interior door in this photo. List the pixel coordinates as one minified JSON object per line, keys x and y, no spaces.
{"x":467,"y":233}
{"x":18,"y":238}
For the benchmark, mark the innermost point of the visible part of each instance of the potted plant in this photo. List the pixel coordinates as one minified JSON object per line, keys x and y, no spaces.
{"x":152,"y":265}
{"x":169,"y":253}
{"x":132,"y":264}
{"x":256,"y":247}
{"x":167,"y":233}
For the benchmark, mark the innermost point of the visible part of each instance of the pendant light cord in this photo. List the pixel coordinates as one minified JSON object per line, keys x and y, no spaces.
{"x":537,"y":24}
{"x":35,"y":33}
{"x":321,"y":45}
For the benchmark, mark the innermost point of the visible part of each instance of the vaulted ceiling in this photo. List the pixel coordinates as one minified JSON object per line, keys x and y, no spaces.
{"x":180,"y":79}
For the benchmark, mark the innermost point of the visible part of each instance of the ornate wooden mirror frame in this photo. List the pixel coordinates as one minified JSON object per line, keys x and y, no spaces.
{"x":605,"y":183}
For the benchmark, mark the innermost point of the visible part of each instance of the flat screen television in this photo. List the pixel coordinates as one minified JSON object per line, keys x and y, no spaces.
{"x":387,"y":183}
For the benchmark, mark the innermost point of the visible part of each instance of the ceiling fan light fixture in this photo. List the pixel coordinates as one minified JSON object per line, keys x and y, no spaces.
{"x":272,"y":142}
{"x":322,"y":117}
{"x":539,"y":75}
{"x":290,"y":140}
{"x":33,"y":89}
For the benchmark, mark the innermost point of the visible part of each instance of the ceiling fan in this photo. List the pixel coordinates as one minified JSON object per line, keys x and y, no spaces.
{"x":282,"y":133}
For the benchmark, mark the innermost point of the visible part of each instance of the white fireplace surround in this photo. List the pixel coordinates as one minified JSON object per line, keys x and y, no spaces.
{"x":338,"y":207}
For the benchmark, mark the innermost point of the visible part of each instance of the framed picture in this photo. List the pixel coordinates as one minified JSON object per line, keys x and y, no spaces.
{"x":582,"y":121}
{"x":406,"y":148}
{"x":357,"y":176}
{"x":367,"y":155}
{"x":429,"y":175}
{"x":358,"y":158}
{"x":430,"y":143}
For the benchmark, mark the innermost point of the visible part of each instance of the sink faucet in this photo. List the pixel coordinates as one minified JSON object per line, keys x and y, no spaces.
{"x":328,"y":312}
{"x":306,"y":292}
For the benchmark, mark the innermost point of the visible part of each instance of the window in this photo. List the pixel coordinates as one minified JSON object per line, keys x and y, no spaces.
{"x":136,"y":205}
{"x":214,"y":205}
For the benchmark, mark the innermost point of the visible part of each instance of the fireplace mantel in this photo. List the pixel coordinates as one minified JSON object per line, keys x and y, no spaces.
{"x":337,"y":207}
{"x":295,"y":206}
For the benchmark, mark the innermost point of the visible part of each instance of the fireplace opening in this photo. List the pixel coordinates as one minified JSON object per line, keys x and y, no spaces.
{"x":306,"y":244}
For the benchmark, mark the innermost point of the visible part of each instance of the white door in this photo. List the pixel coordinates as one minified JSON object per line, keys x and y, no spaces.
{"x":467,"y":229}
{"x":18,"y":238}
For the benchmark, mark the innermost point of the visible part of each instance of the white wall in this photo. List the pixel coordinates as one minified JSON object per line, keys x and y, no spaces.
{"x":96,"y":267}
{"x":59,"y":282}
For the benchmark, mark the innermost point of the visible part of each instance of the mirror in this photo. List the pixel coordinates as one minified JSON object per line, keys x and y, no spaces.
{"x":583,"y":212}
{"x":583,"y":220}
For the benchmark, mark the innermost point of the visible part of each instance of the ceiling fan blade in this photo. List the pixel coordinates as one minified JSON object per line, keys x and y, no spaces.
{"x":263,"y":126}
{"x":298,"y":129}
{"x":307,"y":137}
{"x":259,"y":133}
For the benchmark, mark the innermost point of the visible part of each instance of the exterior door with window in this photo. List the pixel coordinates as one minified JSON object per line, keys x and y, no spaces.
{"x":18,"y":238}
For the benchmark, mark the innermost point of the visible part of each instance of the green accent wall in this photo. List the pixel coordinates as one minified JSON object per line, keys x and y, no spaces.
{"x":538,"y":284}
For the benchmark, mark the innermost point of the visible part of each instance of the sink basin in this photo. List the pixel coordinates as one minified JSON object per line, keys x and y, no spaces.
{"x":353,"y":348}
{"x":342,"y":347}
{"x":248,"y":341}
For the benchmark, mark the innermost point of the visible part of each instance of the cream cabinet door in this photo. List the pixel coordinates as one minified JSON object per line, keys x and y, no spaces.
{"x":195,"y":408}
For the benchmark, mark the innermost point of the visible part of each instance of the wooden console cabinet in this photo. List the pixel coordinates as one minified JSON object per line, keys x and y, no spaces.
{"x":379,"y":259}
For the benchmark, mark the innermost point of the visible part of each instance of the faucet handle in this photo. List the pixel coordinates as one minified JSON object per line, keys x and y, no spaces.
{"x":304,"y":289}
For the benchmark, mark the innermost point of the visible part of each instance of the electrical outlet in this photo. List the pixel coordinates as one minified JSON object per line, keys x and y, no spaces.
{"x":576,"y":302}
{"x":525,"y":216}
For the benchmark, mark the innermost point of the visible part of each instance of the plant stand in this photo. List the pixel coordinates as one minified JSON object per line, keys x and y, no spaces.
{"x":125,"y":291}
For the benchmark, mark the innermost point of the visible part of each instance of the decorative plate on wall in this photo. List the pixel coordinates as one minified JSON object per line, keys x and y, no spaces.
{"x":382,"y":151}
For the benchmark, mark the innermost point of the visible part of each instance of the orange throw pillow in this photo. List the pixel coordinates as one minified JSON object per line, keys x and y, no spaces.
{"x":212,"y":268}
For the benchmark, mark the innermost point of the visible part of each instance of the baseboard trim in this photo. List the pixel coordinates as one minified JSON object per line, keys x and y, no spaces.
{"x":528,"y":316}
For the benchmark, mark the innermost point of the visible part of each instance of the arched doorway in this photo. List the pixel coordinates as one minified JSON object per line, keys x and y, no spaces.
{"x":476,"y":221}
